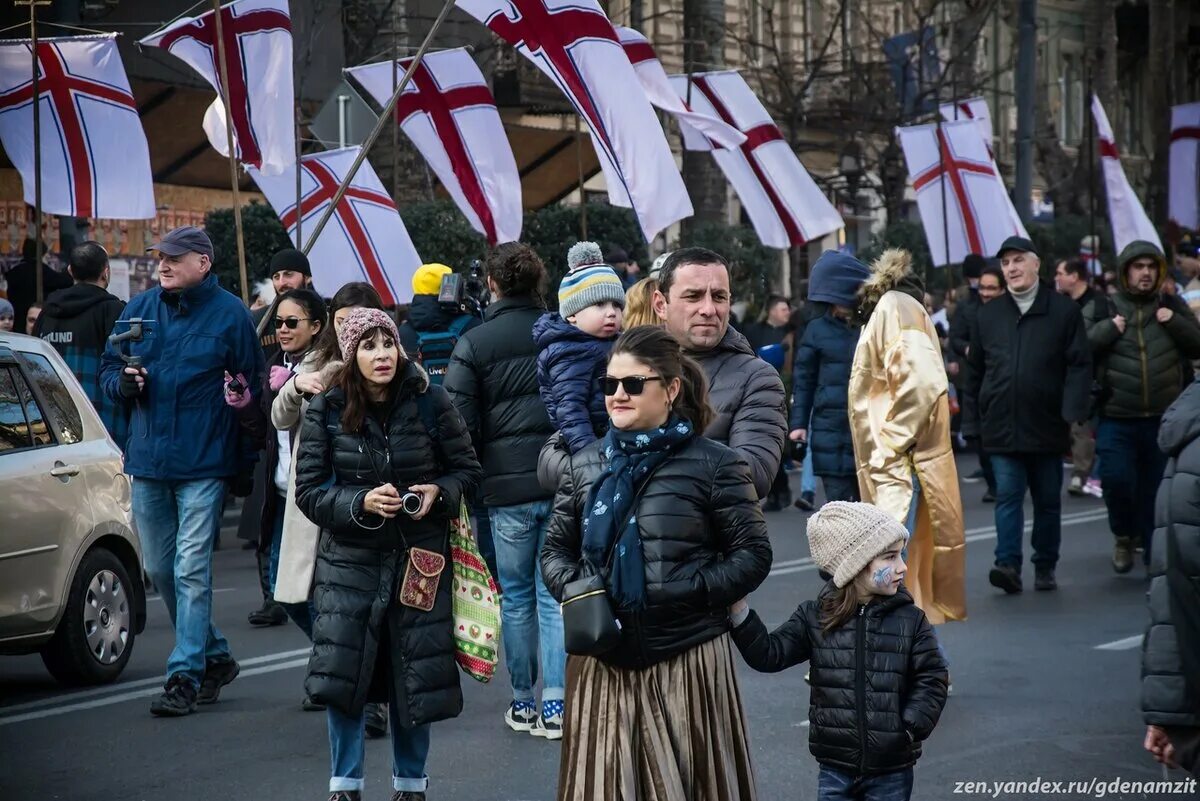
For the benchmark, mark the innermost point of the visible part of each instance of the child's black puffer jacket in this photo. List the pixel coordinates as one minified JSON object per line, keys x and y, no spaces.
{"x":878,"y":681}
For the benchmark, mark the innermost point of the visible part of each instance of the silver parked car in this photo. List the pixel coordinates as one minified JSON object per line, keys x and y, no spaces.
{"x":71,"y":584}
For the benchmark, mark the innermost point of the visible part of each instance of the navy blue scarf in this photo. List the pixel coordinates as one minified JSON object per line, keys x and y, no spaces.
{"x":609,"y":526}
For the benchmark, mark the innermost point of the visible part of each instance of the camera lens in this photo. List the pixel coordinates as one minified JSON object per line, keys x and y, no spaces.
{"x":410,"y":502}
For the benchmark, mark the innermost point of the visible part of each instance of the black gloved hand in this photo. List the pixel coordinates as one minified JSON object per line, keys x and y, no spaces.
{"x":129,"y":386}
{"x":241,"y":485}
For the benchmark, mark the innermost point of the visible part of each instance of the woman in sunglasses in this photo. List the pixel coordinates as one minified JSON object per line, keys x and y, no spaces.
{"x":671,"y":520}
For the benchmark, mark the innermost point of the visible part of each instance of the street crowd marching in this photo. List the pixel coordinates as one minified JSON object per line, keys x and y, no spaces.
{"x":618,"y":476}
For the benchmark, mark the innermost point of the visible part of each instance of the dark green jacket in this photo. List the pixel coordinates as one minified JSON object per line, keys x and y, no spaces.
{"x":1142,"y":370}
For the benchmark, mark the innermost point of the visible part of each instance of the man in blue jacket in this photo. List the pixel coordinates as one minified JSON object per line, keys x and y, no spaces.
{"x":184,"y":445}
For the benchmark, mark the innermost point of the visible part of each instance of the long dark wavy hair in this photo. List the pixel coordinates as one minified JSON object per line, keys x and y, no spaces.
{"x":654,"y":347}
{"x":356,"y":293}
{"x":354,"y":384}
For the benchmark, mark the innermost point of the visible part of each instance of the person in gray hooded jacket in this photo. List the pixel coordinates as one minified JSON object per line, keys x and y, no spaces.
{"x":692,"y":300}
{"x":1171,"y":650}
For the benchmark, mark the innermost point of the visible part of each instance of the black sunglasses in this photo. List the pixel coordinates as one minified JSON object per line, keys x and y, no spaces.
{"x":634,"y":384}
{"x":291,"y":322}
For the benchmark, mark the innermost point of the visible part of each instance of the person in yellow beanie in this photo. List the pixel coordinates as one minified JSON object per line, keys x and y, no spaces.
{"x":862,"y":634}
{"x":433,"y":329}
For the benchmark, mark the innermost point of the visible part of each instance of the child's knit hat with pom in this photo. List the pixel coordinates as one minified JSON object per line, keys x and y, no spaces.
{"x":588,"y":281}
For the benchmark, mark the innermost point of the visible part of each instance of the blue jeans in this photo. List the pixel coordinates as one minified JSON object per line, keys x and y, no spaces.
{"x":1131,"y":466}
{"x":177,"y":522}
{"x":483,"y":537}
{"x":529,"y":615}
{"x":301,"y":614}
{"x":834,"y":785}
{"x":1042,"y":475}
{"x":410,"y":749}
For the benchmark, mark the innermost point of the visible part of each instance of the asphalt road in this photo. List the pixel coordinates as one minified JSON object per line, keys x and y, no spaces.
{"x":1045,"y":686}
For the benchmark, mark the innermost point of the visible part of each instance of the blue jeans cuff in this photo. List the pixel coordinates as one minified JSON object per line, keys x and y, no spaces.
{"x":337,"y":783}
{"x":553,"y":694}
{"x":409,"y":785}
{"x":524,"y":696}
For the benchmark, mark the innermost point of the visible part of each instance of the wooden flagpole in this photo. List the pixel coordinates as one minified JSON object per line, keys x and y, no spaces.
{"x":233,"y":176}
{"x":385,"y":117}
{"x":37,"y":151}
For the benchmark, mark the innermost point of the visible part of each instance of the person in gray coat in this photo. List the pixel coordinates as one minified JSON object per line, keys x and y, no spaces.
{"x":1171,"y":650}
{"x":692,"y":300}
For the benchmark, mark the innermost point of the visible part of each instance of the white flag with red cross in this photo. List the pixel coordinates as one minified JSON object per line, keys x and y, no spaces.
{"x":364,"y":240}
{"x":661,"y":95}
{"x":450,"y":115}
{"x":257,"y":35}
{"x":963,"y":203}
{"x":1125,"y":213}
{"x":976,"y":108}
{"x":94,"y":158}
{"x":785,"y":206}
{"x":1183,"y":202}
{"x":574,"y":44}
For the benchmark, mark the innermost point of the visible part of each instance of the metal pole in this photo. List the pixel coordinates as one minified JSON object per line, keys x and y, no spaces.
{"x":945,"y":208}
{"x":582,"y":196}
{"x":1091,"y":151}
{"x":299,"y":193}
{"x":385,"y":117}
{"x":396,"y":127}
{"x":233,"y":176}
{"x":1026,"y":76}
{"x":37,"y":159}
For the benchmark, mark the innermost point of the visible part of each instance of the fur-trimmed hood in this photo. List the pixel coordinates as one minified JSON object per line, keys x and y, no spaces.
{"x":891,"y":271}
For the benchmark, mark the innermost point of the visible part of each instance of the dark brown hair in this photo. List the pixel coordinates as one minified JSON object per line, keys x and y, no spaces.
{"x":357,"y":294}
{"x":835,"y":609}
{"x":354,"y":384}
{"x":653,"y":346}
{"x":517,"y":270}
{"x":1077,"y":268}
{"x":682,"y":257}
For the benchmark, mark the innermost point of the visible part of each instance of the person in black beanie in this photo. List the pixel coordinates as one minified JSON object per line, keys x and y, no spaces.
{"x":966,"y":309}
{"x":289,"y":270}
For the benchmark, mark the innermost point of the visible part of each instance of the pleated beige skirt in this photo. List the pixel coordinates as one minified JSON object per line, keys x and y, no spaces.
{"x":672,"y":732}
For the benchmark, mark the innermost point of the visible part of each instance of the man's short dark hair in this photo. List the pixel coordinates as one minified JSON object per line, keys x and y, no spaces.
{"x":774,"y":300}
{"x":1077,"y":268}
{"x":682,"y":257}
{"x":88,"y":261}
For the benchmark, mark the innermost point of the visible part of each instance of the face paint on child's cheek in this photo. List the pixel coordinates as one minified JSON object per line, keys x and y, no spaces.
{"x":882,"y":577}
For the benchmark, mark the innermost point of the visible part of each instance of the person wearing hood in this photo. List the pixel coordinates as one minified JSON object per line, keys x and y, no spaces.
{"x":7,"y":317}
{"x":820,"y":401}
{"x":77,"y":322}
{"x":1030,"y":376}
{"x":900,"y":419}
{"x":432,"y":328}
{"x":693,"y":301}
{"x":22,"y":281}
{"x":1143,"y":351}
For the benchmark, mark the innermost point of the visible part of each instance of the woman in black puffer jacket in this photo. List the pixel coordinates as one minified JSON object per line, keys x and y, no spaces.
{"x":379,"y":433}
{"x":679,"y":516}
{"x":878,"y":681}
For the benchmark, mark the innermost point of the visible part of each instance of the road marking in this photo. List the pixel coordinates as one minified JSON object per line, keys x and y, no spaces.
{"x":155,"y":684}
{"x":1121,"y":645}
{"x":972,"y":535}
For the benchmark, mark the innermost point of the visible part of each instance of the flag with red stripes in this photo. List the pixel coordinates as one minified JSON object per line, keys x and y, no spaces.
{"x":963,"y":203}
{"x":450,"y":115}
{"x":976,"y":108}
{"x":364,"y":240}
{"x":1126,"y":215}
{"x":95,"y":161}
{"x":1183,"y":203}
{"x":573,"y":43}
{"x":258,"y":57}
{"x":785,"y":206}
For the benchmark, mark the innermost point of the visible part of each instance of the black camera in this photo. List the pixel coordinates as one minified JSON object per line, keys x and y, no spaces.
{"x":464,"y":293}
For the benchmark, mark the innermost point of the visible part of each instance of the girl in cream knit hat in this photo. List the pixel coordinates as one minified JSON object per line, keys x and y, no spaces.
{"x":878,"y":681}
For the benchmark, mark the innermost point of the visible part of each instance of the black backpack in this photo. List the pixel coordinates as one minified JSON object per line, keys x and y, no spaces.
{"x":434,"y":348}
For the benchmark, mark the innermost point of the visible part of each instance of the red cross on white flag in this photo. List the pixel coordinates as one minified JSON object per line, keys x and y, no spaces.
{"x":1183,"y":204}
{"x":95,"y":162}
{"x":976,"y":108}
{"x":574,"y":44}
{"x":449,"y":113}
{"x":784,"y":204}
{"x":258,"y":58}
{"x":365,"y":239}
{"x":1125,"y":213}
{"x":951,"y":170}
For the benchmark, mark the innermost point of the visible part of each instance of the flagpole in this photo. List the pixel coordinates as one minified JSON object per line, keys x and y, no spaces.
{"x":385,"y":117}
{"x":1091,"y":135}
{"x":37,"y":149}
{"x":233,"y":176}
{"x":582,"y":197}
{"x":945,"y":212}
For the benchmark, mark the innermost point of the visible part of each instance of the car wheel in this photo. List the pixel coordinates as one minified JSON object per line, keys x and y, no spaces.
{"x":94,"y":639}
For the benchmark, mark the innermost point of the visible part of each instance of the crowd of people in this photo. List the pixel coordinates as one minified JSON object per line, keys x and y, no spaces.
{"x":618,"y":445}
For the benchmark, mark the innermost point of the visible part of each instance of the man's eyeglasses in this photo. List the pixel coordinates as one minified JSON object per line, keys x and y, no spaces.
{"x":291,"y":322}
{"x":634,"y":384}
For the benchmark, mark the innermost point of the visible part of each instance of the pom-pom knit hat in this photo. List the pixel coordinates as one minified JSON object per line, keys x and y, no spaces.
{"x":845,"y":537}
{"x":588,"y":281}
{"x":358,"y":324}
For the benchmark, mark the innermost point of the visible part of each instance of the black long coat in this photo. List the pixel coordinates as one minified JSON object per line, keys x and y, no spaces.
{"x":361,"y":558}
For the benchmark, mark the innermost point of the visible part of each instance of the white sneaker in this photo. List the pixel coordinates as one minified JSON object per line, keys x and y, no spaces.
{"x":1093,"y":488}
{"x":551,"y":728}
{"x":521,"y":715}
{"x":1075,"y":487}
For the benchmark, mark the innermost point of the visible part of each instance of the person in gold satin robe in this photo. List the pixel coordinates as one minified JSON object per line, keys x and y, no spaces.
{"x":900,"y":424}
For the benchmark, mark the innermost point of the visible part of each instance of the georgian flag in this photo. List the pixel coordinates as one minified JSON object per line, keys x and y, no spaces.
{"x":1125,"y":213}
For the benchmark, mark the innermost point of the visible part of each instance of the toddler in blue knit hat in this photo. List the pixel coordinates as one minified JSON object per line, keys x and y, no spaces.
{"x":574,"y":344}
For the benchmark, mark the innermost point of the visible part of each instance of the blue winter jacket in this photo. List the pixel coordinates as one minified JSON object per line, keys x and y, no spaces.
{"x":822,"y":373}
{"x":181,"y":428}
{"x":570,"y":364}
